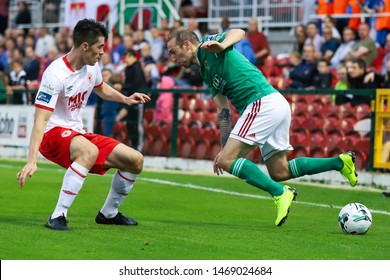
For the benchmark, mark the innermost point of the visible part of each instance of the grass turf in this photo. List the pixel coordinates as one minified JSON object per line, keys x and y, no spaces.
{"x":184,"y":217}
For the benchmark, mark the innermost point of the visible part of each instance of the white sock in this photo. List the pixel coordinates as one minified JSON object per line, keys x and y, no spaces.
{"x":71,"y":185}
{"x":121,"y":185}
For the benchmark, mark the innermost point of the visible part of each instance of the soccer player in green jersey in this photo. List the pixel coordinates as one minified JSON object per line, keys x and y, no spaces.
{"x":264,"y":122}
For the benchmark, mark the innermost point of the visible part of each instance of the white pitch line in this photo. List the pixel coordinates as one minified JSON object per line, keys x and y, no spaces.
{"x":212,"y":189}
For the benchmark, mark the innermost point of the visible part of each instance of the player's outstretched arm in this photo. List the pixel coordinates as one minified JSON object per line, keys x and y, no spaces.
{"x":232,"y":36}
{"x":108,"y":93}
{"x":38,"y":130}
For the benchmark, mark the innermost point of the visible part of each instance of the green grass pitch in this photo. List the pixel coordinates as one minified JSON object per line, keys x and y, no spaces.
{"x":184,"y":217}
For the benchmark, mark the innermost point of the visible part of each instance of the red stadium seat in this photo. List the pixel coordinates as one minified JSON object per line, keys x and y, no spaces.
{"x":119,"y":132}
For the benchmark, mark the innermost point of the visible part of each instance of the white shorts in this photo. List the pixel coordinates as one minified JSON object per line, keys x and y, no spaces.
{"x":265,"y":123}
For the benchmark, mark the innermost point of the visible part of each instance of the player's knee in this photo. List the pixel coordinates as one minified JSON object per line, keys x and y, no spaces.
{"x":279,"y":175}
{"x":138,"y":163}
{"x":224,"y":163}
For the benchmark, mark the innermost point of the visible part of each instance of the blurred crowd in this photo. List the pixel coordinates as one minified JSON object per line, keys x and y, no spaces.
{"x":329,"y":53}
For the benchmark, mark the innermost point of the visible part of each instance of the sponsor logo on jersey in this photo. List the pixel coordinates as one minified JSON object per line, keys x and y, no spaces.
{"x":44,"y":97}
{"x":48,"y":88}
{"x":66,"y":133}
{"x":76,"y":102}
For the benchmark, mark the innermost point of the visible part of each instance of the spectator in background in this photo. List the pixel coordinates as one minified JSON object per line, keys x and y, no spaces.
{"x":17,"y":84}
{"x":385,"y":58}
{"x":139,"y":40}
{"x":340,"y":8}
{"x":354,"y":7}
{"x":193,"y":8}
{"x":32,"y":66}
{"x":308,"y":10}
{"x":23,"y":16}
{"x":243,"y":46}
{"x":4,"y":98}
{"x":193,"y":25}
{"x":258,"y":42}
{"x":157,"y":45}
{"x":118,"y":48}
{"x":323,"y":8}
{"x":330,"y":22}
{"x":344,"y":48}
{"x":105,"y":62}
{"x":357,"y":78}
{"x":313,"y":37}
{"x":51,"y":10}
{"x":146,"y":55}
{"x":51,"y":56}
{"x":365,"y":48}
{"x":225,"y":24}
{"x":7,"y":55}
{"x":302,"y":76}
{"x":163,"y":113}
{"x":176,"y":24}
{"x":109,"y":109}
{"x":133,"y":115}
{"x":29,"y":41}
{"x":386,"y":76}
{"x":382,"y":25}
{"x":300,"y":38}
{"x":369,"y":7}
{"x":330,"y":45}
{"x":341,"y":75}
{"x":44,"y":42}
{"x":323,"y":79}
{"x":3,"y":16}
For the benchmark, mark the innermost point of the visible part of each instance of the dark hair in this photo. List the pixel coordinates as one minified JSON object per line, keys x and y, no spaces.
{"x":130,"y":52}
{"x":324,"y":60}
{"x":88,"y":30}
{"x":181,"y":35}
{"x":360,"y":62}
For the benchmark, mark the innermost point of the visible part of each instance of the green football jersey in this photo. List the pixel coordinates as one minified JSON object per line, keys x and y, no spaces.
{"x":232,"y":75}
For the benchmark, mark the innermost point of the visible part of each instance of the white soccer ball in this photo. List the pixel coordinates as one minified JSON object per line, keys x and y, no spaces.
{"x":355,"y":218}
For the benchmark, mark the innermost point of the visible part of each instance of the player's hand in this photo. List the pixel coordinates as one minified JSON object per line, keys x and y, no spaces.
{"x":213,"y":46}
{"x":217,"y":169}
{"x":27,"y":171}
{"x":137,"y":98}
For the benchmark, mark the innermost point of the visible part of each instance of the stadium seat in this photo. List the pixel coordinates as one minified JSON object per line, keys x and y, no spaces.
{"x":202,"y":149}
{"x":362,"y":111}
{"x":148,"y":115}
{"x":270,"y":67}
{"x":345,"y":124}
{"x":318,"y":152}
{"x":186,"y":148}
{"x":119,"y":132}
{"x":362,"y":159}
{"x":299,"y":151}
{"x":334,"y":138}
{"x":300,"y":136}
{"x":318,"y":138}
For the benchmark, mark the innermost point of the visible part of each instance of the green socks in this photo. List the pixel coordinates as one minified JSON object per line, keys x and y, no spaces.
{"x":251,"y":173}
{"x":308,"y":166}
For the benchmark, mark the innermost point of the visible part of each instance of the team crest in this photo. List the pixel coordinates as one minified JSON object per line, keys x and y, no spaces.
{"x":205,"y":63}
{"x":66,"y":133}
{"x":89,"y":77}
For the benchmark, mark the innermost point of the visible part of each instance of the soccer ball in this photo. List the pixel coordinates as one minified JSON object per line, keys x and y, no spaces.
{"x":355,"y":218}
